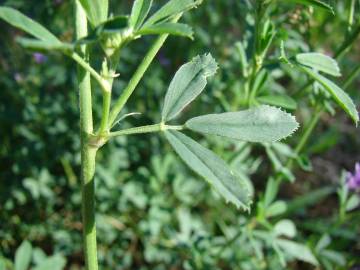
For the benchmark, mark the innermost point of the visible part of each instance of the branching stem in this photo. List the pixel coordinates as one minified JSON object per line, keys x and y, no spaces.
{"x":88,"y":153}
{"x":85,"y":65}
{"x":139,"y":73}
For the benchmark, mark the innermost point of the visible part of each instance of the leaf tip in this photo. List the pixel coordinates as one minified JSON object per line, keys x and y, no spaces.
{"x":209,"y":64}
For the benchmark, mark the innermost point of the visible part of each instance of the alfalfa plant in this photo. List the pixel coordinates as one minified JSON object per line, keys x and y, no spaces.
{"x":94,"y":26}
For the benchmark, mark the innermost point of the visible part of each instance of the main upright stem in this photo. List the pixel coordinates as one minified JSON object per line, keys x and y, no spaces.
{"x":88,"y":152}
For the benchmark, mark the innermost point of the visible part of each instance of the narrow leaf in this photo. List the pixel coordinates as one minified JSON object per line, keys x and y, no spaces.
{"x":286,"y":228}
{"x":23,"y":256}
{"x":19,"y":20}
{"x":115,"y":24}
{"x":96,"y":10}
{"x":188,"y":82}
{"x":261,"y":124}
{"x":283,"y":101}
{"x":170,"y":9}
{"x":342,"y":98}
{"x":139,"y":12}
{"x":40,"y":45}
{"x":296,"y":250}
{"x":314,"y":3}
{"x":323,"y":243}
{"x":55,"y":262}
{"x":275,"y":209}
{"x":319,"y":62}
{"x":336,"y":257}
{"x":211,"y":167}
{"x":243,"y":58}
{"x":177,"y":29}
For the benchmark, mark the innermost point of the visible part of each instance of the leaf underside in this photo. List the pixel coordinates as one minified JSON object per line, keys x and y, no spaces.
{"x":298,"y":251}
{"x":188,"y":82}
{"x":319,"y":62}
{"x":260,"y":124}
{"x":211,"y":167}
{"x":339,"y":95}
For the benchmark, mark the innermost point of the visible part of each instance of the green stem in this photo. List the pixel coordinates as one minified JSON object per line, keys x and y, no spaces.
{"x":351,"y":15}
{"x":105,"y":112}
{"x":134,"y":81}
{"x":85,"y":65}
{"x":145,"y":129}
{"x":353,"y":75}
{"x":258,"y":52}
{"x":88,"y":153}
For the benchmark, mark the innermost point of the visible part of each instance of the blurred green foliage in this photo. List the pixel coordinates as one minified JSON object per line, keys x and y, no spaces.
{"x":153,"y":212}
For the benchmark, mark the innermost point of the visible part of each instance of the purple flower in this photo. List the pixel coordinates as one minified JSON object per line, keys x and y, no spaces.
{"x":58,"y":2}
{"x":39,"y":58}
{"x":353,"y":180}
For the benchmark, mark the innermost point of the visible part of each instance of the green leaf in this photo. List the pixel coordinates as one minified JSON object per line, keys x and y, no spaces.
{"x":272,"y":188}
{"x":260,"y":124}
{"x":117,"y":24}
{"x":56,"y":262}
{"x":23,"y":256}
{"x":314,"y":3}
{"x":259,"y":82}
{"x":353,"y":202}
{"x":342,"y":98}
{"x":177,"y":29}
{"x":41,"y":45}
{"x":275,"y":209}
{"x":296,"y":250}
{"x":170,"y":9}
{"x":19,"y":20}
{"x":139,"y":12}
{"x":323,"y":243}
{"x":211,"y":167}
{"x":319,"y":62}
{"x":243,"y":58}
{"x":334,"y":256}
{"x":283,"y":101}
{"x":285,"y":227}
{"x":188,"y":82}
{"x":96,"y":10}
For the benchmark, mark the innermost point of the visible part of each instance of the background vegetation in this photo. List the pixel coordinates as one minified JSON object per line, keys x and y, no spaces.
{"x":153,"y":212}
